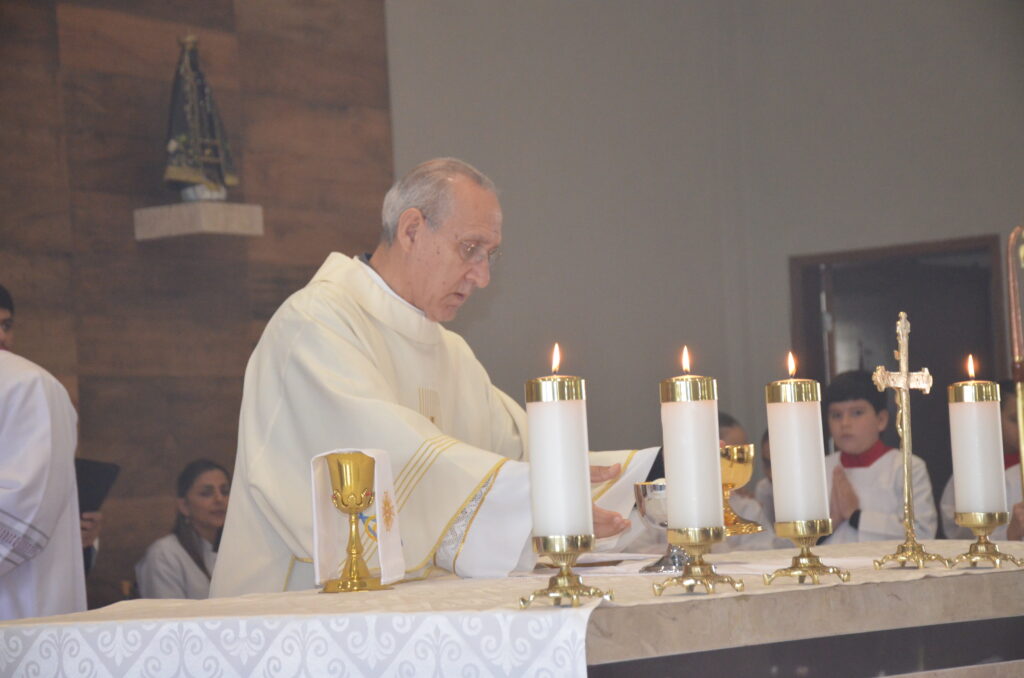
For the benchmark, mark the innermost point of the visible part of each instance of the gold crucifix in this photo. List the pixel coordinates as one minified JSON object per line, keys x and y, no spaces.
{"x":910,"y":551}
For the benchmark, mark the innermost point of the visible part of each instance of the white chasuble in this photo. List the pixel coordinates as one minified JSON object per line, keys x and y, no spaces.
{"x":344,"y":363}
{"x":879,"y":489}
{"x":41,"y":566}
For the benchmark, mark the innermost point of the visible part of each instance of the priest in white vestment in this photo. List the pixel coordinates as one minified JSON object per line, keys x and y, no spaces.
{"x":41,"y":567}
{"x":358,"y":359}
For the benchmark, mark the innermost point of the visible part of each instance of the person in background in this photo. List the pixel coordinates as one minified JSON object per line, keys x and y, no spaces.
{"x":1014,"y":531}
{"x":865,"y":476}
{"x":41,"y":569}
{"x":763,"y":490}
{"x":179,"y":564}
{"x":90,"y":521}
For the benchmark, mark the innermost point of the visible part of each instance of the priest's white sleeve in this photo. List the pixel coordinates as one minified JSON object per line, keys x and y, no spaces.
{"x":489,"y":536}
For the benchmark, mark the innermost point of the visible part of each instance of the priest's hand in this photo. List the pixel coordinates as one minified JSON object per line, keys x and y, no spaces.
{"x":608,"y":523}
{"x":1015,"y":530}
{"x":844,"y":500}
{"x":599,"y":474}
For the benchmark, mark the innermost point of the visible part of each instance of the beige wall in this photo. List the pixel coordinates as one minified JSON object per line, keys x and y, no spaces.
{"x":660,"y":161}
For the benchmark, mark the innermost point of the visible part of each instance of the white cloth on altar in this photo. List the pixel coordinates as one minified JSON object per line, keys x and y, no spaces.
{"x":379,"y":522}
{"x":41,"y":566}
{"x":879,"y":489}
{"x":168,"y":571}
{"x":947,"y":507}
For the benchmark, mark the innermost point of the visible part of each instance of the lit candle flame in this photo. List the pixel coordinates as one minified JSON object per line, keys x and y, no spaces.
{"x":791,"y":361}
{"x":686,"y":360}
{"x":556,"y":359}
{"x":970,"y":366}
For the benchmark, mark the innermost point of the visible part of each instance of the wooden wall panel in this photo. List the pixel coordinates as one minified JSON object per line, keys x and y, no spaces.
{"x":103,"y":41}
{"x":152,"y":338}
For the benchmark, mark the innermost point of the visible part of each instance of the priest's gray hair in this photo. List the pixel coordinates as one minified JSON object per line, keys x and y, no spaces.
{"x":427,"y":188}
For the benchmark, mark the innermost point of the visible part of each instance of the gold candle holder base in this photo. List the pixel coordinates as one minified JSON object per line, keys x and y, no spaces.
{"x":911,"y":551}
{"x":697,"y":541}
{"x":806,"y":565}
{"x":982,"y":524}
{"x":566,"y":585}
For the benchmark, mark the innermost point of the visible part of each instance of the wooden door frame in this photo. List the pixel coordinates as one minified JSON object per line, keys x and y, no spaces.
{"x":804,"y":288}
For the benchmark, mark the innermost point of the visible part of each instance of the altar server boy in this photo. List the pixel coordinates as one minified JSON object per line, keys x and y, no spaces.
{"x":865,"y":476}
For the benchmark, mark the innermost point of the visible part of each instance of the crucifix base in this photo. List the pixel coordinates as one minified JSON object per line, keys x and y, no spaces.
{"x":911,"y":552}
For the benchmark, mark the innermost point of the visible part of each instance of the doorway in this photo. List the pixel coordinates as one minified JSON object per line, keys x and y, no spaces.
{"x":844,"y":311}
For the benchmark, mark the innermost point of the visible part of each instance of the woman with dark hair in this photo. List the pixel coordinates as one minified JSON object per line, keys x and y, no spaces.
{"x":180,"y":564}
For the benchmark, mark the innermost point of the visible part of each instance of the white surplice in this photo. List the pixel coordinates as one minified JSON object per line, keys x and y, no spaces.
{"x":346,"y":363}
{"x":168,"y":571}
{"x":948,"y":507}
{"x":879,"y":489}
{"x":41,"y":567}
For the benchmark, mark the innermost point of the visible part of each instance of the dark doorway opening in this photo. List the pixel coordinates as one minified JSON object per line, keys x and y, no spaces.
{"x":844,"y":311}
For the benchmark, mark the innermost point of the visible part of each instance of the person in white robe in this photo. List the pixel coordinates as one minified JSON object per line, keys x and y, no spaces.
{"x":1014,"y":529}
{"x":865,"y":476}
{"x":359,"y":358}
{"x":41,"y":566}
{"x":179,"y":564}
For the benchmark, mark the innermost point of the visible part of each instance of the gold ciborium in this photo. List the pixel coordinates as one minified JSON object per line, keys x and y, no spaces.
{"x":805,"y":534}
{"x":352,"y":493}
{"x":697,"y":541}
{"x":566,"y":585}
{"x":982,"y":525}
{"x":737,"y":462}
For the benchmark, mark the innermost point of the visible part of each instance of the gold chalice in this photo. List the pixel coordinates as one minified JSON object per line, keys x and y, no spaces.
{"x":737,"y":462}
{"x":352,"y":485}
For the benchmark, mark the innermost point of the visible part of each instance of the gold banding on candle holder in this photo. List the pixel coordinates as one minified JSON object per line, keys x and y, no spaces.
{"x":793,"y":391}
{"x":688,"y":388}
{"x":974,"y":392}
{"x":554,"y":388}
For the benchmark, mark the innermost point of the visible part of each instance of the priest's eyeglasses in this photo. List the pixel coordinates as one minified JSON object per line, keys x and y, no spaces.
{"x":473,"y":252}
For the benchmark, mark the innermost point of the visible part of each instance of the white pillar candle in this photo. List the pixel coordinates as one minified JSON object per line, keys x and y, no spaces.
{"x":556,"y":412}
{"x":798,"y":456}
{"x":693,"y":473}
{"x":975,"y":431}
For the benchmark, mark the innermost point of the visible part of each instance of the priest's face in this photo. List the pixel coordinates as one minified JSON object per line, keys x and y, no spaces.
{"x":448,"y":264}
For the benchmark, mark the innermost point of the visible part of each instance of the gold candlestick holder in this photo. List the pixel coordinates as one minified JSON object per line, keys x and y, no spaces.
{"x":737,"y":463}
{"x":352,"y":485}
{"x":805,"y":534}
{"x":566,"y":585}
{"x":903,"y":381}
{"x":697,"y":541}
{"x":982,"y":525}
